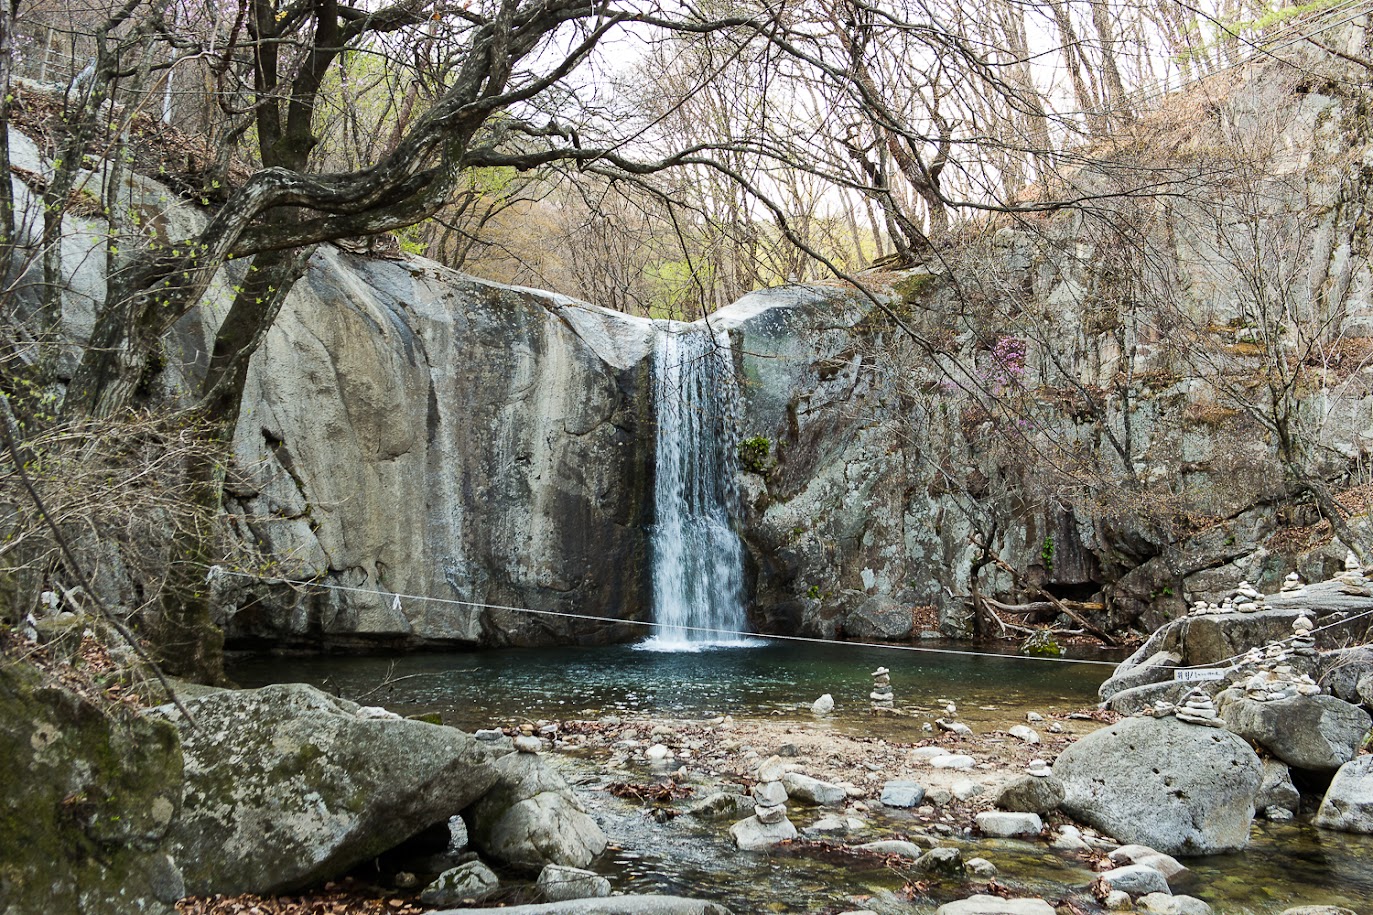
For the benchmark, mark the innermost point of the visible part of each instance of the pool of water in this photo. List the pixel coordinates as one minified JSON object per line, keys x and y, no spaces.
{"x":1286,"y":864}
{"x":477,"y":689}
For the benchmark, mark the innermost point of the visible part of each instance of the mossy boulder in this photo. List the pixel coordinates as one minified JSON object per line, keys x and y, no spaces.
{"x":287,"y":786}
{"x":531,"y":818}
{"x":90,"y":791}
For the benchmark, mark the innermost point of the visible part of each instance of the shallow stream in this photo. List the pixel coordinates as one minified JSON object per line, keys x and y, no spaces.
{"x":1286,"y":864}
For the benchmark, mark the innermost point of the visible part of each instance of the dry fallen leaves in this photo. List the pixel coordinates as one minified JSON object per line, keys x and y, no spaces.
{"x":333,"y":900}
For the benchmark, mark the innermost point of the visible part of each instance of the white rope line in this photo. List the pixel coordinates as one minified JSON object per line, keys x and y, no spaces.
{"x":651,"y":624}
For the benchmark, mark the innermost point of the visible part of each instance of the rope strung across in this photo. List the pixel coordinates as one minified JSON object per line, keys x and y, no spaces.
{"x":216,"y":571}
{"x":478,"y":605}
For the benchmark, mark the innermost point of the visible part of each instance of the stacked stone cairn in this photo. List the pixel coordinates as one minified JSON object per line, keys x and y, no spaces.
{"x":1247,"y":598}
{"x":1302,"y":641}
{"x":1039,"y":769}
{"x":1283,"y":667}
{"x":1352,"y":580}
{"x":1279,"y":682}
{"x":1244,"y":599}
{"x":769,"y":824}
{"x":1198,"y":709}
{"x":1161,"y":708}
{"x":882,"y":701}
{"x":1292,"y":585}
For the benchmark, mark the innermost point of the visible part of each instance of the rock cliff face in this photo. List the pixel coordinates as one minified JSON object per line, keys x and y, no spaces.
{"x":408,"y":431}
{"x":1130,"y":406}
{"x":1120,"y":405}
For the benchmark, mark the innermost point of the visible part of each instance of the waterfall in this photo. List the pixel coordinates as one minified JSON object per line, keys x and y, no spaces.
{"x":697,"y":558}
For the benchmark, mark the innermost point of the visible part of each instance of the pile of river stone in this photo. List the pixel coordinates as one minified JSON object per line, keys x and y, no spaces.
{"x":881,"y":695}
{"x":769,"y":824}
{"x":1352,"y":580}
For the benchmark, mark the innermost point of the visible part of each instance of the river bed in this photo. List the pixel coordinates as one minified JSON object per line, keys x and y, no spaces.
{"x":772,"y":686}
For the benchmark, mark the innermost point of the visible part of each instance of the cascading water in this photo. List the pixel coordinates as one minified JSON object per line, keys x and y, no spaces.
{"x":697,"y":559}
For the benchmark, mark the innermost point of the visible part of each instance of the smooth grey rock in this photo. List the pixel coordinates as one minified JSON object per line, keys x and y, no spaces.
{"x":286,"y":786}
{"x":1138,"y":698}
{"x":966,"y":789}
{"x":769,"y":794}
{"x":612,"y":905}
{"x":1131,"y":674}
{"x":827,"y":826}
{"x":1308,"y":732}
{"x":751,"y":834}
{"x":770,"y":814}
{"x":1117,"y":901}
{"x":525,"y":744}
{"x":1136,"y":879}
{"x":947,"y":861}
{"x":722,"y":804}
{"x":906,"y":849}
{"x":1002,"y":825}
{"x":813,"y":791}
{"x":1164,"y":904}
{"x":1166,"y":865}
{"x":1024,"y":734}
{"x":902,"y":794}
{"x":824,"y":705}
{"x":1348,"y":802}
{"x":1029,"y":794}
{"x":530,"y":818}
{"x":472,"y":880}
{"x":1319,"y":910}
{"x":559,"y":883}
{"x":980,"y":868}
{"x":772,"y":769}
{"x":995,"y":905}
{"x":1179,"y":788}
{"x":1276,"y":789}
{"x":953,"y":761}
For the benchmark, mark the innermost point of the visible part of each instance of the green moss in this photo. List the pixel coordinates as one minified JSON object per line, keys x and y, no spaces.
{"x":92,"y":791}
{"x":1042,"y":644}
{"x":914,"y":287}
{"x":755,"y":454}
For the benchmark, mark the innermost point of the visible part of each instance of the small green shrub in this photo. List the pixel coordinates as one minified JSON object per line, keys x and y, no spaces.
{"x":754,"y":453}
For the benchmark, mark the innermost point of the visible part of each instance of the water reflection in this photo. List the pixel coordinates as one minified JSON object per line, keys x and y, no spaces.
{"x":478,"y":688}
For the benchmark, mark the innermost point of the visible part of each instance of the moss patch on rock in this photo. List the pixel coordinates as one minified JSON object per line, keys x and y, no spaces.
{"x":91,"y":791}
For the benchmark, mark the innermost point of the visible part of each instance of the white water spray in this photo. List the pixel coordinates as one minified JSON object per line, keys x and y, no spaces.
{"x":697,"y":558}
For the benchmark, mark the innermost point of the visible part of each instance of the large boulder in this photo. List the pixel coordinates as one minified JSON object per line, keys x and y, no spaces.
{"x":89,"y":794}
{"x":531,"y":818}
{"x":1180,"y":788}
{"x":1348,"y":802}
{"x":1307,"y":732}
{"x":287,"y":786}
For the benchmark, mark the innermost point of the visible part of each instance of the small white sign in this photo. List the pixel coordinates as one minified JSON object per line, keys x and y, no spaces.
{"x":1213,"y":674}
